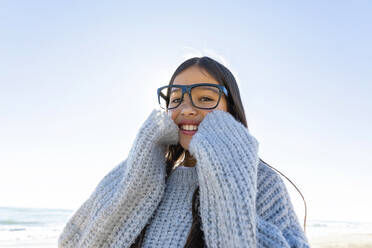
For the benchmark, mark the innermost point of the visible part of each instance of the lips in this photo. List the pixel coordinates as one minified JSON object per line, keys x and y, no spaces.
{"x":187,"y":132}
{"x":188,"y":129}
{"x":188,"y":124}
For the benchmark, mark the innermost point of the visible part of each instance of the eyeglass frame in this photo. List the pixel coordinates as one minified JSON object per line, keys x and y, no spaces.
{"x":187,"y":89}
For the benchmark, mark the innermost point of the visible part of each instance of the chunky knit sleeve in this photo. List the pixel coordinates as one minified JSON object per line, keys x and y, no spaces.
{"x":227,"y":166}
{"x":127,"y":196}
{"x":275,"y":212}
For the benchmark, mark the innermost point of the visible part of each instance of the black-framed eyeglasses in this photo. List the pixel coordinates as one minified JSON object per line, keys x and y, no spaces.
{"x":202,"y":95}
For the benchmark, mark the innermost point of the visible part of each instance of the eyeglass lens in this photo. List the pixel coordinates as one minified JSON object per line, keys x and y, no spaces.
{"x":201,"y":96}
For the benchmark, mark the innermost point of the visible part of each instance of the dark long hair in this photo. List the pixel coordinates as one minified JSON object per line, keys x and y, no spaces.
{"x":175,"y":153}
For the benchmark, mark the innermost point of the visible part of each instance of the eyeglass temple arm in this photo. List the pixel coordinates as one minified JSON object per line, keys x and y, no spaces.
{"x":162,"y":95}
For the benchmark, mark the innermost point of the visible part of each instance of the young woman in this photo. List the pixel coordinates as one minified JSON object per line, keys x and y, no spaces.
{"x":192,"y":178}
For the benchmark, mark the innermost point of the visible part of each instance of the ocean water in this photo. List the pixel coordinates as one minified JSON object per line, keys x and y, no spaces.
{"x":37,"y":227}
{"x":31,"y":227}
{"x":318,"y":228}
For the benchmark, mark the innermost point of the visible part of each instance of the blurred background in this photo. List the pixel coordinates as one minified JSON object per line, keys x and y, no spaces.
{"x":78,"y":78}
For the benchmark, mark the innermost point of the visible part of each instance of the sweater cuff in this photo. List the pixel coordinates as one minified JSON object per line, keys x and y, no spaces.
{"x":221,"y":127}
{"x":221,"y":135}
{"x":159,"y":128}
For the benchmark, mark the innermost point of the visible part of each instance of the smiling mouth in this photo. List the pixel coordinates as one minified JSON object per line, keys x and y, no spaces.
{"x":188,"y":132}
{"x":188,"y":127}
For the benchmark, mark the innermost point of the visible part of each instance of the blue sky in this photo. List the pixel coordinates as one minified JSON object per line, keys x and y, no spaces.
{"x":79,"y":78}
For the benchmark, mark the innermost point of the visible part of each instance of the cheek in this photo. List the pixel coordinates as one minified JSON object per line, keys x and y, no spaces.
{"x":207,"y":111}
{"x":223,"y":105}
{"x":173,"y":115}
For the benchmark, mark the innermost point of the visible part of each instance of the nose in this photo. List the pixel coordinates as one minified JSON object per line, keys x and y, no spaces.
{"x":186,"y":107}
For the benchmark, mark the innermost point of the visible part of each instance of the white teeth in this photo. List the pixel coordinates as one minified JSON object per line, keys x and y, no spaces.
{"x":189,"y":127}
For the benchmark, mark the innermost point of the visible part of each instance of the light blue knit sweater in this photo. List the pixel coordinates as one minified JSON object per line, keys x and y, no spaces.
{"x":243,"y":203}
{"x":173,"y":218}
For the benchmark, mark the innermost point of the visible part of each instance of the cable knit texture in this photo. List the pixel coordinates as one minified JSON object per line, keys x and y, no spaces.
{"x":243,"y":203}
{"x":173,"y":218}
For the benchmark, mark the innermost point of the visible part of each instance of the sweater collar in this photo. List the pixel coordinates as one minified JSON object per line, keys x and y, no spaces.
{"x":185,"y":176}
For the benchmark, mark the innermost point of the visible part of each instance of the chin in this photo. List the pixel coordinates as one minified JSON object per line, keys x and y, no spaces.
{"x":185,"y":146}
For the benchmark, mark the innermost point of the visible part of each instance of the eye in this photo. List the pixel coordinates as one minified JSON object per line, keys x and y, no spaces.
{"x":206,"y":98}
{"x":174,"y":100}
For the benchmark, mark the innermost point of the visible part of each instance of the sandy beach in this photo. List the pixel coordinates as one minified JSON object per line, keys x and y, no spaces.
{"x":351,"y":240}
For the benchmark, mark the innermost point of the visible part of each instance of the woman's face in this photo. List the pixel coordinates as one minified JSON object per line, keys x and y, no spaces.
{"x":186,"y":111}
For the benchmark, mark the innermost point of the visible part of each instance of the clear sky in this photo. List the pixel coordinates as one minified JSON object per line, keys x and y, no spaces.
{"x":78,"y":78}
